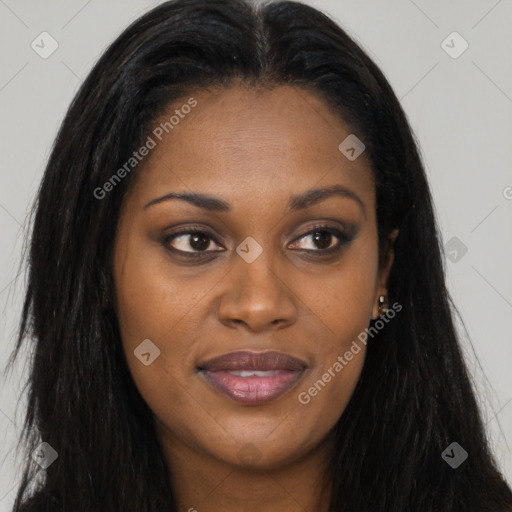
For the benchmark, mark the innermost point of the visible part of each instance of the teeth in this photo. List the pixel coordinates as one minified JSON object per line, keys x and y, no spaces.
{"x":257,"y":373}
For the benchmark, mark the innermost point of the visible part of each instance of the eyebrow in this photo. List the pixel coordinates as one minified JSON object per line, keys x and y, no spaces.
{"x":295,"y":203}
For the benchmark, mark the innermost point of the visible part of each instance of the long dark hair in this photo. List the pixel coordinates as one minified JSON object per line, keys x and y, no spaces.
{"x":414,"y":397}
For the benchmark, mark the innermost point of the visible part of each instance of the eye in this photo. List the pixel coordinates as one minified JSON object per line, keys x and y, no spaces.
{"x":199,"y":241}
{"x":324,"y":239}
{"x":195,"y":242}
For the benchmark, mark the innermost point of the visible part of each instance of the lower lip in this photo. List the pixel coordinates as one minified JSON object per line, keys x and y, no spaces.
{"x":252,"y":390}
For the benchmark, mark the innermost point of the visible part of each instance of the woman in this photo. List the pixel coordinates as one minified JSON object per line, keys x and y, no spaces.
{"x":236,"y":293}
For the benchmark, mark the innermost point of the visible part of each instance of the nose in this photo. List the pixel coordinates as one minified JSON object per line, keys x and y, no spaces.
{"x":257,"y":296}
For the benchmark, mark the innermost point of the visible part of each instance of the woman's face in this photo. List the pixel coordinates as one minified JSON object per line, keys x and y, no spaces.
{"x":276,"y":267}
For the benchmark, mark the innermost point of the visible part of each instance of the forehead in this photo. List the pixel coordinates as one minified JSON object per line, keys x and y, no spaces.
{"x":244,"y":143}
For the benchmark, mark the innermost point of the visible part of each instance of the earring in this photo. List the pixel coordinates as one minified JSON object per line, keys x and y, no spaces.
{"x":383,"y":304}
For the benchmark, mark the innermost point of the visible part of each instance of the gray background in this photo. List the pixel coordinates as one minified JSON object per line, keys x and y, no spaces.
{"x":460,"y":109}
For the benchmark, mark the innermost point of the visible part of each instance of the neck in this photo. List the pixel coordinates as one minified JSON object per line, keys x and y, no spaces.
{"x":203,"y":483}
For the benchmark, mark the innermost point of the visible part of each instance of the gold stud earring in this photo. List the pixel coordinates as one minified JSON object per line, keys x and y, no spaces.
{"x":383,"y":304}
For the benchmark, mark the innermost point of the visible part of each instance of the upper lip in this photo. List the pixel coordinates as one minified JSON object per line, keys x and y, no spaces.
{"x":247,"y":360}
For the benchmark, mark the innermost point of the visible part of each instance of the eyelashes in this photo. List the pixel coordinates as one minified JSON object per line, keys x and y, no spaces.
{"x":197,"y":237}
{"x":344,"y":239}
{"x":200,"y":242}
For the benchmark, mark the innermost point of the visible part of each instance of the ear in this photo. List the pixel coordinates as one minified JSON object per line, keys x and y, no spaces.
{"x":384,"y":269}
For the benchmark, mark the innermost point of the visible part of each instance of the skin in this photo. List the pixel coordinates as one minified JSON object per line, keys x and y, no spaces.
{"x":253,"y":149}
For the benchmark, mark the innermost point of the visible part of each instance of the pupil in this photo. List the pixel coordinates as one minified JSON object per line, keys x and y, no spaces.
{"x":199,"y":242}
{"x":324,"y":239}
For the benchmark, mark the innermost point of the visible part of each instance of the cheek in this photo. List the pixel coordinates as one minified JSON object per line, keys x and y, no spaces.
{"x":157,"y":306}
{"x":155,"y":299}
{"x":324,"y":395}
{"x":341,"y":304}
{"x":339,"y":301}
{"x":150,"y":308}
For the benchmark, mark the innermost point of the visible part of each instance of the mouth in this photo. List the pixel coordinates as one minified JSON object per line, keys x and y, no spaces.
{"x":252,"y":378}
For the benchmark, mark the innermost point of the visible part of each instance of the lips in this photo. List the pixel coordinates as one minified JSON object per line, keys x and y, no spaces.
{"x":252,"y":378}
{"x":259,"y":361}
